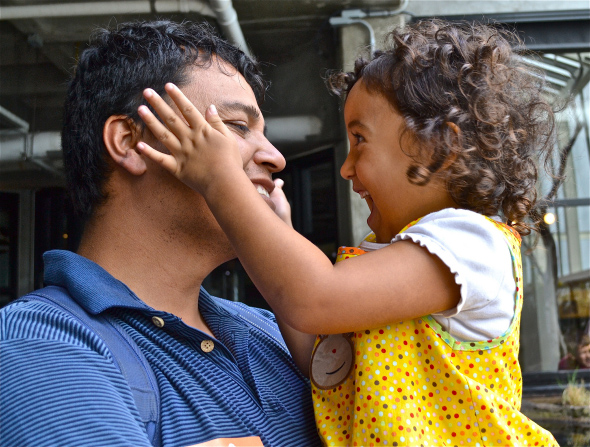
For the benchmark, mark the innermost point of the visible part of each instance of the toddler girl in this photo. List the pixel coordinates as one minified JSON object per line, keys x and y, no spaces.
{"x":420,"y":334}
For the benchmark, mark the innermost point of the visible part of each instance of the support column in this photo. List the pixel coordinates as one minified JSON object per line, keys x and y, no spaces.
{"x":539,"y":329}
{"x":26,"y":242}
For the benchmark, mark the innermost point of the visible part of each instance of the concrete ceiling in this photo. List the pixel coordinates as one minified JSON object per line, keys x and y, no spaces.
{"x":38,"y":53}
{"x":41,"y":39}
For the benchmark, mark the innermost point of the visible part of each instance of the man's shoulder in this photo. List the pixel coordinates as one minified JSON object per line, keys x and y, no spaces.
{"x":31,"y":318}
{"x":26,"y":316}
{"x":53,"y":362}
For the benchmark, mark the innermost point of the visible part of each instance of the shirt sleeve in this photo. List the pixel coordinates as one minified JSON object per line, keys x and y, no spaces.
{"x":59,"y":385}
{"x":477,"y":253}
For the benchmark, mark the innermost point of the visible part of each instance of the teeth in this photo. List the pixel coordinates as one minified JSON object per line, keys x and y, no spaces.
{"x":262,"y":190}
{"x":364,"y":194}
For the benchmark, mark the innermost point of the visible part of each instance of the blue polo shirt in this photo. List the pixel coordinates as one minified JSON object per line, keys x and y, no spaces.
{"x":59,"y":386}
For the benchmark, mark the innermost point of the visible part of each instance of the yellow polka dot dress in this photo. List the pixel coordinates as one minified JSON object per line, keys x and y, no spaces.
{"x":412,"y":384}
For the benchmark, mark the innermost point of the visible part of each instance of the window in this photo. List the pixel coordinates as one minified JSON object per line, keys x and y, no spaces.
{"x":556,"y":264}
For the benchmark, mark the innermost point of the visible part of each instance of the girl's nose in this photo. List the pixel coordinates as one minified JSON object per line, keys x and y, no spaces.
{"x":347,"y":168}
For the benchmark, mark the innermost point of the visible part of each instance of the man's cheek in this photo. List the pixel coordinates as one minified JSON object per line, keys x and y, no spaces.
{"x":243,"y":150}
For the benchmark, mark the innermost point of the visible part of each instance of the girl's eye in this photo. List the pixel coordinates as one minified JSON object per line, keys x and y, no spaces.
{"x":358,"y":138}
{"x":239,"y":127}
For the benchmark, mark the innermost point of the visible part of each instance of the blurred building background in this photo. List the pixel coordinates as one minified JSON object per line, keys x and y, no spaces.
{"x":297,"y":41}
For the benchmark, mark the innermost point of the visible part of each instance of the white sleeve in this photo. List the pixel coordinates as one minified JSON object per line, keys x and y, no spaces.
{"x":478,"y":255}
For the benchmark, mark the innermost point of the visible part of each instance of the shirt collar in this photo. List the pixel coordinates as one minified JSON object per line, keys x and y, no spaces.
{"x":95,"y":289}
{"x":88,"y":283}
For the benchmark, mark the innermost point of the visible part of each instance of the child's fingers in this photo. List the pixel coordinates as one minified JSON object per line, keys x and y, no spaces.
{"x":170,"y":118}
{"x":188,"y":110}
{"x":215,"y":121}
{"x":282,"y":206}
{"x":279,"y":183}
{"x":168,"y":162}
{"x":161,"y":132}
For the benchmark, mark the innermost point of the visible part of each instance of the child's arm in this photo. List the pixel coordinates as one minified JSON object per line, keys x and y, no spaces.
{"x":305,"y":290}
{"x":300,"y":344}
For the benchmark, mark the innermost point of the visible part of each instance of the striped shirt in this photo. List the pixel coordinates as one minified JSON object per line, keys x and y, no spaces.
{"x":59,"y":386}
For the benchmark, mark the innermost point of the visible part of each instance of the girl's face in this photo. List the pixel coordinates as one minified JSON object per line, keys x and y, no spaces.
{"x":584,"y":356}
{"x":377,"y":166}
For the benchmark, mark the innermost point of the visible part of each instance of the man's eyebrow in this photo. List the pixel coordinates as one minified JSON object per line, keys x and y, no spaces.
{"x":248,"y":109}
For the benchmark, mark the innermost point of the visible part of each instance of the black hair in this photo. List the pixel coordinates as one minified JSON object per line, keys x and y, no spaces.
{"x":110,"y":77}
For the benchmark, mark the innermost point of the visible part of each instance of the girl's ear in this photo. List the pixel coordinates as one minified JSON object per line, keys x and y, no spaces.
{"x":121,"y":135}
{"x":454,"y":128}
{"x":455,"y":141}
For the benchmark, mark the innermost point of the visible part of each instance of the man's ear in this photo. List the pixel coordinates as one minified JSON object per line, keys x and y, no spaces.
{"x":120,"y":135}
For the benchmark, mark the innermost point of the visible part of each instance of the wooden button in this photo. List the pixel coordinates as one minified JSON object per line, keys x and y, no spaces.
{"x":158,"y":322}
{"x":207,"y":345}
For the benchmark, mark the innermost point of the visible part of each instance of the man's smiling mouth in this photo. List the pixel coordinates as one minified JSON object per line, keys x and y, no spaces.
{"x":262,"y":191}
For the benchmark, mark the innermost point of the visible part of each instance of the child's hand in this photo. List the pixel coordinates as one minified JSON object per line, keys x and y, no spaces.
{"x":282,"y":206}
{"x":202,"y":149}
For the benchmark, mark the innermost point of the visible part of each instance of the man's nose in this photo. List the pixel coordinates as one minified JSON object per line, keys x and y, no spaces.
{"x":269,"y":156}
{"x":347,"y":169}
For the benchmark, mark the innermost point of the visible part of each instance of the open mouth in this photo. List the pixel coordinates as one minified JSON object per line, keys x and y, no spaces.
{"x":336,"y":370}
{"x":262,"y":191}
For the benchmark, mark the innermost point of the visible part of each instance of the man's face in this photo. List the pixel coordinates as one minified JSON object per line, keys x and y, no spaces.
{"x":237,"y":107}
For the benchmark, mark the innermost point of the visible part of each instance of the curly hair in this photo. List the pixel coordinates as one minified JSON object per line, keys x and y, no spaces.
{"x":474,"y":110}
{"x":110,"y":77}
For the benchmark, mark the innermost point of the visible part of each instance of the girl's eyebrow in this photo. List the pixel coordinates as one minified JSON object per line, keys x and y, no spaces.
{"x":357,"y":123}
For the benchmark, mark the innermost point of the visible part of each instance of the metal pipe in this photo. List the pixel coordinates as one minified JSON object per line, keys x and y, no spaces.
{"x":227,"y":17}
{"x":20,"y":125}
{"x":26,"y":146}
{"x":372,"y":43}
{"x":222,"y":10}
{"x":354,"y":16}
{"x":391,"y":12}
{"x":104,"y":8}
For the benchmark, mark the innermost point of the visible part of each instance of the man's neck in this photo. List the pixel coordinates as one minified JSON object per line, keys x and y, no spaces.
{"x":164,"y":272}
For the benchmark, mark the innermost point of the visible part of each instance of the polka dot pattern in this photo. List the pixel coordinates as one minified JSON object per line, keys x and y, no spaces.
{"x":348,"y":252}
{"x":413,"y":384}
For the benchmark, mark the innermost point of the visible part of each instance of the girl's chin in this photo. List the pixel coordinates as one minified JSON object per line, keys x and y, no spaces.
{"x":381,"y":236}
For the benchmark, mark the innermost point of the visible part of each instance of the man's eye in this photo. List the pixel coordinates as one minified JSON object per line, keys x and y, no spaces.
{"x":240,"y":127}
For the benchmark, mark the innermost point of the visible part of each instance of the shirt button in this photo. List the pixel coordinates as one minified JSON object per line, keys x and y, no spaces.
{"x":158,"y":322}
{"x":207,"y":345}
